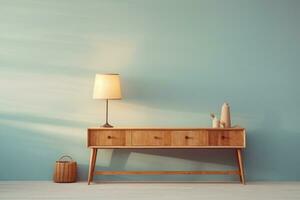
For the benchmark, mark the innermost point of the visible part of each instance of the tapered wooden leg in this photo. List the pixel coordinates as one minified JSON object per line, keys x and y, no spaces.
{"x":240,"y":165}
{"x":92,"y":165}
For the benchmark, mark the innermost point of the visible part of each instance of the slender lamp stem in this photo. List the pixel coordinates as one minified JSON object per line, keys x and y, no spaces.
{"x":107,"y":125}
{"x":106,"y":111}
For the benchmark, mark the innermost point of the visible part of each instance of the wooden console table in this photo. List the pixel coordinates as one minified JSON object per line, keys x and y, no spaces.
{"x":166,"y":138}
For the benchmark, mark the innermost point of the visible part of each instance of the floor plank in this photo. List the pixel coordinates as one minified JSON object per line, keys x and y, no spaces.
{"x":149,"y":191}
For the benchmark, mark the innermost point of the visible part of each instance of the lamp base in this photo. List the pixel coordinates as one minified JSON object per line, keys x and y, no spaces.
{"x":107,"y":125}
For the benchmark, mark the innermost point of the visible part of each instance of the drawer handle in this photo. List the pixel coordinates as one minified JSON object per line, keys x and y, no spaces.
{"x":156,"y":137}
{"x":109,"y":137}
{"x":187,"y":137}
{"x":224,"y":137}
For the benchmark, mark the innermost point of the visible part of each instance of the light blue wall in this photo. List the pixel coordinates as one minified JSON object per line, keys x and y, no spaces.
{"x":179,"y":60}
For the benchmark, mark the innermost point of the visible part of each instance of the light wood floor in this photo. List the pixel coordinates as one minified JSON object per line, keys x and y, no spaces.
{"x":150,"y":191}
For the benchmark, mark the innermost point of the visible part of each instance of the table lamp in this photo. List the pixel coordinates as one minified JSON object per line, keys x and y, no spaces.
{"x":107,"y":86}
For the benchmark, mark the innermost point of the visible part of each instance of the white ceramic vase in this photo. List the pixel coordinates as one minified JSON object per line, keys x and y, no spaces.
{"x":225,"y":116}
{"x":215,"y":123}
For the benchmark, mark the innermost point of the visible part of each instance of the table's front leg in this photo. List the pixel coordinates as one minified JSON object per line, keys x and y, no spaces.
{"x":240,"y":165}
{"x":93,"y":158}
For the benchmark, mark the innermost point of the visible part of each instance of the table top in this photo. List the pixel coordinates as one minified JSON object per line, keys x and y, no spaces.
{"x":167,"y":128}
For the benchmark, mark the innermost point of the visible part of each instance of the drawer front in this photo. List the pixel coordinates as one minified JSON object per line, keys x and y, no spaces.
{"x":150,"y":138}
{"x":189,"y":138}
{"x":107,"y":138}
{"x":226,"y":138}
{"x":169,"y":138}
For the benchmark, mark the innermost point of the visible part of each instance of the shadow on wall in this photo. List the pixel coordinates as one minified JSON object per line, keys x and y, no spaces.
{"x":262,"y":163}
{"x":30,"y":145}
{"x":36,"y":142}
{"x":167,"y":159}
{"x":36,"y":146}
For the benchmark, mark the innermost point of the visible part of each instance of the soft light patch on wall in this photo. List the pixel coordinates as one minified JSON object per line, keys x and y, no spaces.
{"x":145,"y":115}
{"x":111,"y":54}
{"x":34,"y":94}
{"x":45,"y":128}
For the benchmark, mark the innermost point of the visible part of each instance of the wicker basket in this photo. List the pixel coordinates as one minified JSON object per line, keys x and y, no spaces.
{"x":65,"y":170}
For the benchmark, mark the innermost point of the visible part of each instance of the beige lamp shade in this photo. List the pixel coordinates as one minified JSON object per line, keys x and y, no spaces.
{"x":107,"y":86}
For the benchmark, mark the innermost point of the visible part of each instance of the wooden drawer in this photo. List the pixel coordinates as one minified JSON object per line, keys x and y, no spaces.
{"x":150,"y":138}
{"x":166,"y":138}
{"x":189,"y":138}
{"x":226,"y":138}
{"x":107,"y":138}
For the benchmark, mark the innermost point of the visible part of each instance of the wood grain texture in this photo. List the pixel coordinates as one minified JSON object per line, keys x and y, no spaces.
{"x":65,"y":172}
{"x":189,"y":138}
{"x":240,"y":165}
{"x":164,"y":128}
{"x":166,"y":172}
{"x":166,"y":138}
{"x":94,"y":162}
{"x":150,"y":138}
{"x":226,"y":138}
{"x":93,"y":157}
{"x":165,"y":147}
{"x":109,"y":138}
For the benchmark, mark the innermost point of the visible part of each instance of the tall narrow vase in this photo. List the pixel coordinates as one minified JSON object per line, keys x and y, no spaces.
{"x":225,"y":115}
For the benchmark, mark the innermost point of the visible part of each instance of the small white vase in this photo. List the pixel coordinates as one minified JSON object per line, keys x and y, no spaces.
{"x":215,"y":123}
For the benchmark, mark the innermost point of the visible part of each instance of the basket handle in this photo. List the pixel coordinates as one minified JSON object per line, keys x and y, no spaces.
{"x":65,"y":156}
